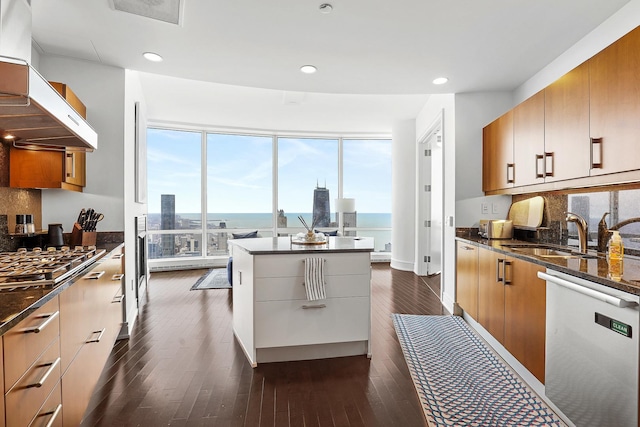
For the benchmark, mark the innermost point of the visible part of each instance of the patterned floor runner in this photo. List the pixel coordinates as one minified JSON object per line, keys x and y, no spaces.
{"x":459,"y":379}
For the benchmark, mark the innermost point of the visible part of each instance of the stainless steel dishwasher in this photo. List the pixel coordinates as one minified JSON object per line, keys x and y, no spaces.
{"x":592,"y":351}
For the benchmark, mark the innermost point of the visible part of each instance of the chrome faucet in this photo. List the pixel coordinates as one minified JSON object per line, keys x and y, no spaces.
{"x":583,"y":230}
{"x":604,"y":232}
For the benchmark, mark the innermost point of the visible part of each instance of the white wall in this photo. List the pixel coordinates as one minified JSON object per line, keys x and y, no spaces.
{"x":132,"y":209}
{"x":15,"y":29}
{"x":101,"y":89}
{"x":428,"y":114}
{"x":403,"y":189}
{"x":473,"y":112}
{"x":620,"y":23}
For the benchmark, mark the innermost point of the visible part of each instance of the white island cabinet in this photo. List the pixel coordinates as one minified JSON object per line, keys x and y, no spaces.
{"x":272,"y":318}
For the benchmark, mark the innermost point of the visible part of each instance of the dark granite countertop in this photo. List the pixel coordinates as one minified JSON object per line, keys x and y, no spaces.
{"x":283,"y":245}
{"x":595,"y":268}
{"x":16,"y":305}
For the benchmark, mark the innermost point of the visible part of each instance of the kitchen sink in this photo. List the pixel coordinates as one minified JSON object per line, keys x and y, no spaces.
{"x":546,"y":251}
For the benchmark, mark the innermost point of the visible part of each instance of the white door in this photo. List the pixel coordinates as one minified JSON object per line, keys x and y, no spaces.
{"x":430,"y":205}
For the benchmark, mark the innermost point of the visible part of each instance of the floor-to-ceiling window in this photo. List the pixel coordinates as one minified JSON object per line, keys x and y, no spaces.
{"x":307,"y":183}
{"x":206,"y":186}
{"x":174,"y":193}
{"x":367,"y":179}
{"x":239,"y":178}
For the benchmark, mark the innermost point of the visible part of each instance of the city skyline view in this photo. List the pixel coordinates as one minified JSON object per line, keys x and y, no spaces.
{"x":239,"y":172}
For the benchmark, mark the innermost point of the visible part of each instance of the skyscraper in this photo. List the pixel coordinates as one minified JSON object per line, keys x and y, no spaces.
{"x":168,"y":222}
{"x":321,"y":207}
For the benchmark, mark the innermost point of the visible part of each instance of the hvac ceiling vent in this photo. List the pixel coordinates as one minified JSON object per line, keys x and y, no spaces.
{"x":163,"y":10}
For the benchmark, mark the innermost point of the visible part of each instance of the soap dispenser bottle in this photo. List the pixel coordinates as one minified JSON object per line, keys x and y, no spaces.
{"x":616,"y":247}
{"x":616,"y":253}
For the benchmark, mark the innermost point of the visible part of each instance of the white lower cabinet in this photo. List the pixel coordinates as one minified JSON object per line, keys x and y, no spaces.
{"x":274,"y":321}
{"x":301,"y":322}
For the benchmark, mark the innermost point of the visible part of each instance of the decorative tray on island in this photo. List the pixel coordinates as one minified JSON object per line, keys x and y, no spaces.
{"x":305,"y":239}
{"x":307,"y":242}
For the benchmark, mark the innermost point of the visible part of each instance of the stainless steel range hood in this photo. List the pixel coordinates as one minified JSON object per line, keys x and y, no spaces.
{"x":34,"y":114}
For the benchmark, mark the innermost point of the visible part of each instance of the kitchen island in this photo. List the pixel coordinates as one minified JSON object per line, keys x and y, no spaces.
{"x":272,"y":318}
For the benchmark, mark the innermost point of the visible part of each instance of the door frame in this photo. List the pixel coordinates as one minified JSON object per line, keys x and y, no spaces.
{"x":423,"y":198}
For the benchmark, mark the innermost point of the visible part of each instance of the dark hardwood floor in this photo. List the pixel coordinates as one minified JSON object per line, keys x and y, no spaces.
{"x":182,"y":366}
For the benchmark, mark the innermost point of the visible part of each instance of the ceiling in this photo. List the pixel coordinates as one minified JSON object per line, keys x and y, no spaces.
{"x":362,"y":47}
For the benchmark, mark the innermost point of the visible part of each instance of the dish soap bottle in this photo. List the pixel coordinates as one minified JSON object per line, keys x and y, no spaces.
{"x":616,"y":253}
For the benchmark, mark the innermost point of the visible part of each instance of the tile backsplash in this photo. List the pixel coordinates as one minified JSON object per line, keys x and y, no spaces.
{"x":620,"y":204}
{"x":15,"y":201}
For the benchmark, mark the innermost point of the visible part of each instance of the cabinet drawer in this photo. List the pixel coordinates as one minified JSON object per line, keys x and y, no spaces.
{"x":293,"y":265}
{"x":79,"y":381}
{"x":30,"y":392}
{"x":292,"y":288}
{"x":28,"y":339}
{"x":50,"y":415}
{"x":287,"y":323}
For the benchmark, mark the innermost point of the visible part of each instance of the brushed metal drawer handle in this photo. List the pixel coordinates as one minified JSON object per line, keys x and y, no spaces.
{"x":117,"y":300}
{"x":94,"y":275}
{"x":48,"y":319}
{"x":54,"y":414}
{"x":117,"y":277}
{"x":117,"y":256}
{"x":99,"y":336}
{"x":73,"y":119}
{"x":52,"y":367}
{"x":305,"y":307}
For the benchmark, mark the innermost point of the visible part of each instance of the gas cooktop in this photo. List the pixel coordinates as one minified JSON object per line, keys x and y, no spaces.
{"x":46,"y":268}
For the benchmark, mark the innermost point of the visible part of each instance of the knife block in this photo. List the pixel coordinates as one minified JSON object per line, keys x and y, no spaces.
{"x":82,"y":238}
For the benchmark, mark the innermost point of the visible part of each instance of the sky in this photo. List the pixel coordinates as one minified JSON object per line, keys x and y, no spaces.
{"x":239,"y":172}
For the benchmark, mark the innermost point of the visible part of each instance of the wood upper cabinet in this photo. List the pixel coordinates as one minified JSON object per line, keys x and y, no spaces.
{"x":528,"y":141}
{"x":566,"y":126}
{"x":50,"y":169}
{"x":497,"y":154}
{"x":615,"y":106}
{"x":467,"y":278}
{"x":525,"y":314}
{"x":491,"y":292}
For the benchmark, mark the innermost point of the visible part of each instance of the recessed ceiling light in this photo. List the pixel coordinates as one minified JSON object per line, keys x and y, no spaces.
{"x":325,"y":8}
{"x":153,"y":57}
{"x":308,"y":69}
{"x":440,"y":81}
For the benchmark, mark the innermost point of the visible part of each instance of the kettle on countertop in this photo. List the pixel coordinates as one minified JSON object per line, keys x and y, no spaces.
{"x":55,"y":235}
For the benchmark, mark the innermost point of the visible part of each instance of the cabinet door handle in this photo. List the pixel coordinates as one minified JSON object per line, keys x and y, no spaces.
{"x":511,"y":173}
{"x":117,"y":256}
{"x":44,"y":377}
{"x":240,"y":277}
{"x":117,"y":277}
{"x":539,"y":160}
{"x":48,"y":319}
{"x":117,"y":300}
{"x":71,"y":165}
{"x":549,"y":164}
{"x":54,"y":414}
{"x":467,"y":248}
{"x":306,"y":307}
{"x":596,"y":153}
{"x":499,"y":263}
{"x":94,"y":275}
{"x":505,"y":263}
{"x":99,"y":336}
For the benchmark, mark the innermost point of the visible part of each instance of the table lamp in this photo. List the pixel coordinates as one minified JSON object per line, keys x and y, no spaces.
{"x":344,"y":205}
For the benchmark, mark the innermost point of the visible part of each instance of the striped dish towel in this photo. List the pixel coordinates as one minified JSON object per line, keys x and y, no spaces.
{"x":314,"y":278}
